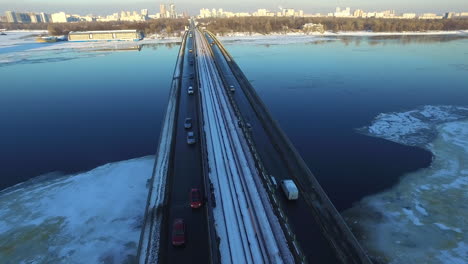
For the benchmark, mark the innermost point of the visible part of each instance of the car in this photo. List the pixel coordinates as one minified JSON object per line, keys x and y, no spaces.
{"x":191,"y":62}
{"x":191,"y":138}
{"x":190,"y":50}
{"x":195,"y":198}
{"x":190,"y":90}
{"x":231,"y":88}
{"x":188,"y":123}
{"x":192,"y":76}
{"x":178,"y":232}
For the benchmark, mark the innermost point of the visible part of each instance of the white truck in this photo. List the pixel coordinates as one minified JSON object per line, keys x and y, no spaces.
{"x":290,"y":189}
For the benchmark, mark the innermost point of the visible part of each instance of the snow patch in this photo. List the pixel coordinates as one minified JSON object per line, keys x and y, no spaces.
{"x":89,"y":217}
{"x":416,"y":127}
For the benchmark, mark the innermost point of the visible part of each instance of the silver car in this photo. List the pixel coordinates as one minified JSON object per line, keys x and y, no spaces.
{"x":191,"y":138}
{"x":190,"y":90}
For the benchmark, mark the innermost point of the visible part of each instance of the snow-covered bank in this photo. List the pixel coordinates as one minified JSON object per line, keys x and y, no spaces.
{"x":13,"y":38}
{"x":89,"y":217}
{"x":298,"y":37}
{"x":424,"y":218}
{"x":21,"y":38}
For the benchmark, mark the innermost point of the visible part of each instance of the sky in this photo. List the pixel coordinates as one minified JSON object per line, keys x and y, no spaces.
{"x":100,"y":7}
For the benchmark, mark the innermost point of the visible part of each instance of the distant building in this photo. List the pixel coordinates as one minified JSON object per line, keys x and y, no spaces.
{"x":430,"y":16}
{"x":45,"y":18}
{"x":449,"y":15}
{"x":342,"y":13}
{"x":409,"y":15}
{"x":105,"y":35}
{"x":288,"y":12}
{"x":162,"y":10}
{"x":261,"y":12}
{"x":172,"y":11}
{"x":60,"y":17}
{"x":25,"y":18}
{"x":11,"y":17}
{"x":358,"y":13}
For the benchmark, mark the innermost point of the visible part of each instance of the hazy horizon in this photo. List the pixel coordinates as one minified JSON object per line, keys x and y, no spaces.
{"x":84,"y":7}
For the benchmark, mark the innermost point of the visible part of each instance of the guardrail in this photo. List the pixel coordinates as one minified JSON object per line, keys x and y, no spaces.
{"x":293,"y":244}
{"x":325,"y":214}
{"x":168,"y":128}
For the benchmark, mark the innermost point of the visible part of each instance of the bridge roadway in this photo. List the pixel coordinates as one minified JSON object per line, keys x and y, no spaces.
{"x":313,"y":243}
{"x":318,"y":227}
{"x":186,"y":174}
{"x":216,"y":72}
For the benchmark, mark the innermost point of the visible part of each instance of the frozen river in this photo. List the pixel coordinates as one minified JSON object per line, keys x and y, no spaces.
{"x":379,"y":120}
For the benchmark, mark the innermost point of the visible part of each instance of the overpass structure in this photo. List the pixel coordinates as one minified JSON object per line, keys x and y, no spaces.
{"x":239,"y":158}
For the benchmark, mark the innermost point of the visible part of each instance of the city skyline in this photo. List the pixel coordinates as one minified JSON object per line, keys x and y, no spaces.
{"x":319,"y":6}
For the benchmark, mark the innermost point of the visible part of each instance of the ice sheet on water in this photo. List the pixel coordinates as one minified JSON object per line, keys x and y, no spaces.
{"x":415,"y":127}
{"x":424,"y":218}
{"x":89,"y":217}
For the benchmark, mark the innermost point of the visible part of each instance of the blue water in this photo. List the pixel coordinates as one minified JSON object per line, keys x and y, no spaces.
{"x":74,"y":111}
{"x":81,"y":110}
{"x":321,"y":92}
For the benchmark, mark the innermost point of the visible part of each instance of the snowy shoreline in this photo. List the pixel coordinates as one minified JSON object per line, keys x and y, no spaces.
{"x":241,"y":35}
{"x":78,"y":218}
{"x":422,"y":219}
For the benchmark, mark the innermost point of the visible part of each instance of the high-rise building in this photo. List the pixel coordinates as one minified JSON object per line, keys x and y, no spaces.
{"x":288,"y":12}
{"x":11,"y":17}
{"x":162,"y":10}
{"x":59,"y":17}
{"x":45,"y":18}
{"x":172,"y":11}
{"x":34,"y":18}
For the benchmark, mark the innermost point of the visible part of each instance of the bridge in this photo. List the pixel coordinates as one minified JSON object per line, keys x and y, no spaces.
{"x":239,"y":157}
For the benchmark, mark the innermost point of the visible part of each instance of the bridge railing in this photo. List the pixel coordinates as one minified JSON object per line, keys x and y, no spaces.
{"x":165,"y":150}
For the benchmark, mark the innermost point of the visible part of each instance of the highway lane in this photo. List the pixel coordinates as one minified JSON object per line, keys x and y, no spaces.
{"x":186,"y":174}
{"x":313,"y":243}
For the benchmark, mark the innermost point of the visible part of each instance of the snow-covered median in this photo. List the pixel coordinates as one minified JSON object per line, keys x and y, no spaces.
{"x":424,"y":218}
{"x":89,"y":217}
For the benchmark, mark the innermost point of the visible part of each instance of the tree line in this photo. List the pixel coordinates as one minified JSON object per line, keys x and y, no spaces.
{"x":170,"y":27}
{"x":262,"y":25}
{"x":266,"y":25}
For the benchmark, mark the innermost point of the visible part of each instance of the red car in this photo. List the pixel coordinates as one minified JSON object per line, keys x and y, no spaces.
{"x":178,"y":232}
{"x":195,"y":198}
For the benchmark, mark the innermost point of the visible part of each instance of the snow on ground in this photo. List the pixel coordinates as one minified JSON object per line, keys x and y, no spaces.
{"x":416,"y":127}
{"x":21,"y":47}
{"x":89,"y":217}
{"x":424,"y":218}
{"x":19,"y":37}
{"x":299,"y":37}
